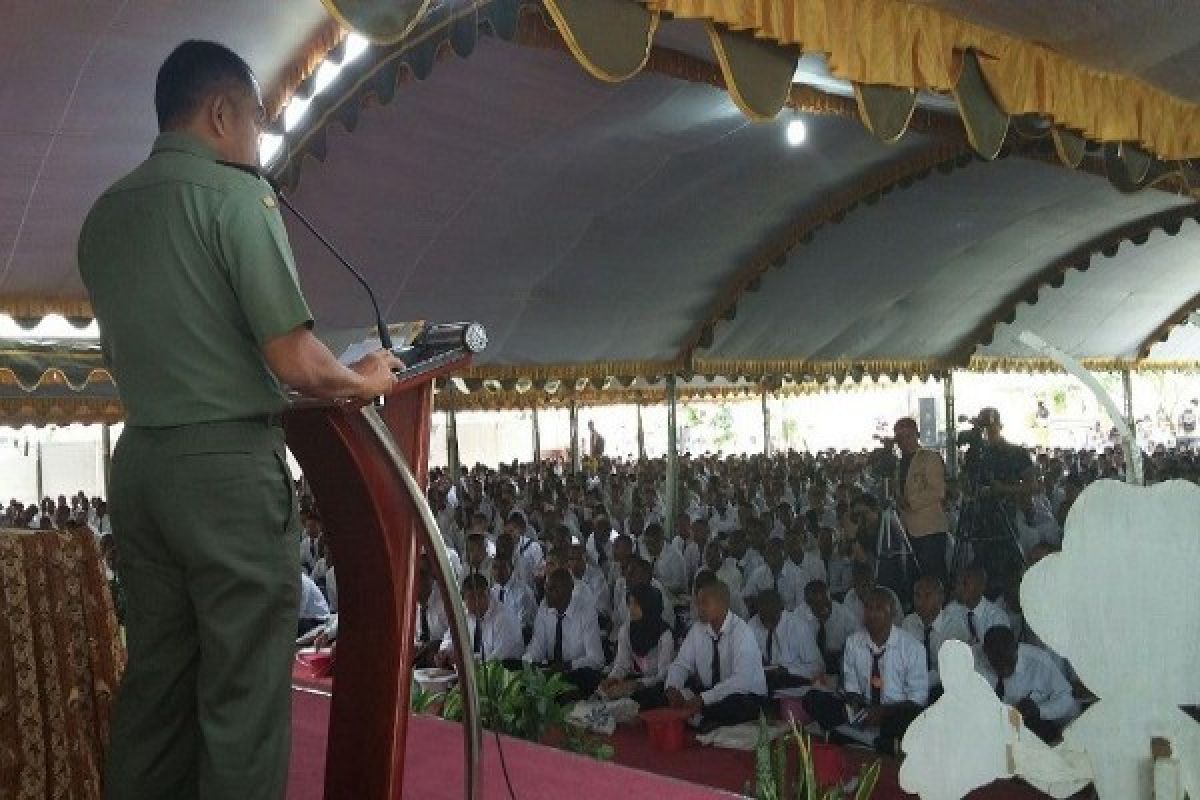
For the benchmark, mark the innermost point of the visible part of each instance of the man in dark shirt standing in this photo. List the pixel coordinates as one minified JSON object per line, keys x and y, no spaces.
{"x":190,"y":274}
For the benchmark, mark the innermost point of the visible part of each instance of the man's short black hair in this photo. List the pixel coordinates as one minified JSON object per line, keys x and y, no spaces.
{"x":193,"y":72}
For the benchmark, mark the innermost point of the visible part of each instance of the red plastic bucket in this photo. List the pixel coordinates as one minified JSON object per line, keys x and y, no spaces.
{"x":665,"y":727}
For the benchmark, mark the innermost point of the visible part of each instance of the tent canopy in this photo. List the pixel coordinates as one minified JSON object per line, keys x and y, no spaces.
{"x":633,"y":228}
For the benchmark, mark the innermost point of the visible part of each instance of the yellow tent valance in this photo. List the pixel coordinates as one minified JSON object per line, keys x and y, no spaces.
{"x":904,"y":44}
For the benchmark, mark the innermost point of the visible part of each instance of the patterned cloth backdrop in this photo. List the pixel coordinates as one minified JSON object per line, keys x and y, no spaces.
{"x":60,"y":663}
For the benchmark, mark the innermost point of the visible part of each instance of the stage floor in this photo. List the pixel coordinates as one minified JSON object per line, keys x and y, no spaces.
{"x":435,"y":753}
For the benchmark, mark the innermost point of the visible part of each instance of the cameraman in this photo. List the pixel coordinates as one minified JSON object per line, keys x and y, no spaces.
{"x":1007,"y":471}
{"x":920,"y":498}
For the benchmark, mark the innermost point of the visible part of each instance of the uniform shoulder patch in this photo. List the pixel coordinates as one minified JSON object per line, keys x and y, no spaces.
{"x":269,"y":201}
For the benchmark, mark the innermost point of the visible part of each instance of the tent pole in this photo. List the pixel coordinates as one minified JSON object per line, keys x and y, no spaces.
{"x":537,"y":439}
{"x":574,"y":437}
{"x":105,"y":458}
{"x":951,"y":427}
{"x":766,"y":417}
{"x":672,"y":460}
{"x":1127,"y":385}
{"x":641,"y":434}
{"x":37,"y":470}
{"x":452,"y":464}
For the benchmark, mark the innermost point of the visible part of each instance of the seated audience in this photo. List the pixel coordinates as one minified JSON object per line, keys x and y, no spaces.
{"x":513,"y":594}
{"x":313,"y":608}
{"x":864,"y":584}
{"x":971,"y":611}
{"x":432,"y":619}
{"x":718,"y":673}
{"x":666,"y":563}
{"x":885,"y":682}
{"x":1029,"y":679}
{"x":645,"y":649}
{"x":566,"y":637}
{"x":494,"y":634}
{"x":930,"y":624}
{"x":832,"y":624}
{"x":788,"y":644}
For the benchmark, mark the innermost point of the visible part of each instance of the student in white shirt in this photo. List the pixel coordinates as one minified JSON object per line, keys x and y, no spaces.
{"x":432,"y":619}
{"x":719,"y":663}
{"x":884,"y":679}
{"x":528,"y":553}
{"x":864,"y":584}
{"x":930,"y":625}
{"x":566,"y":637}
{"x":779,"y":574}
{"x":666,"y":563}
{"x":477,"y":561}
{"x":686,"y":546}
{"x":587,"y":574}
{"x":745,"y":557}
{"x":832,"y":624}
{"x":972,"y":611}
{"x":645,"y":649}
{"x":513,"y":594}
{"x":313,"y":610}
{"x":493,"y":633}
{"x":788,"y":644}
{"x":808,"y":562}
{"x":1035,"y":525}
{"x":1028,"y":678}
{"x":637,"y":573}
{"x":723,"y":518}
{"x":839,"y":568}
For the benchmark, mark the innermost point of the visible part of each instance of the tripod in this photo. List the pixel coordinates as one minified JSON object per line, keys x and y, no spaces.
{"x":985,"y":534}
{"x":893,"y":548}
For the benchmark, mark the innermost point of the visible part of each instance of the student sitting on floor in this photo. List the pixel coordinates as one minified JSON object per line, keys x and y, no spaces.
{"x":432,"y":619}
{"x":566,"y":637}
{"x":885,"y":683}
{"x":832,"y":624}
{"x":513,"y":594}
{"x":719,"y":664}
{"x":1027,"y":678}
{"x":314,"y":611}
{"x":788,"y":644}
{"x":972,"y":611}
{"x":645,"y":649}
{"x":864,"y":582}
{"x":493,"y":631}
{"x":930,"y":625}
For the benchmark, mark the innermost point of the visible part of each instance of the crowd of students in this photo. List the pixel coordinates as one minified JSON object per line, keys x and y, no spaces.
{"x":782,"y":575}
{"x":775,"y":579}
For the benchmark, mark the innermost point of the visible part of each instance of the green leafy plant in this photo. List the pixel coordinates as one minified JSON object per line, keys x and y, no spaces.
{"x":771,"y":770}
{"x":525,"y":704}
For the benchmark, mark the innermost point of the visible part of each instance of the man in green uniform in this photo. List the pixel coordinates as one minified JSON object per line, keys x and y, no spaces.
{"x":190,"y":274}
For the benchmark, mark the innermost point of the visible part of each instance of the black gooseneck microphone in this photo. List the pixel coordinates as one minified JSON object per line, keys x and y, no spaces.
{"x":385,"y":337}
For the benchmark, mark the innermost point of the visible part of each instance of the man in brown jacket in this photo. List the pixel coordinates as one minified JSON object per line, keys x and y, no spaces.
{"x":920,"y":492}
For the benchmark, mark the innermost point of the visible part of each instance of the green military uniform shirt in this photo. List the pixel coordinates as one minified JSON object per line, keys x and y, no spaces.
{"x":190,"y":272}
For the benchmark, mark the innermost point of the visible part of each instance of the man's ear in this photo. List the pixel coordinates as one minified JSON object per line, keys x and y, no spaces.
{"x":220,"y":114}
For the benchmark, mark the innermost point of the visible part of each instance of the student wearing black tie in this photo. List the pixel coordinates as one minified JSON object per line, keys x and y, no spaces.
{"x":832,"y":624}
{"x":493,"y":631}
{"x":432,"y":622}
{"x":931,"y":625}
{"x":566,"y":636}
{"x":789,"y":648}
{"x":885,"y":683}
{"x":718,"y":674}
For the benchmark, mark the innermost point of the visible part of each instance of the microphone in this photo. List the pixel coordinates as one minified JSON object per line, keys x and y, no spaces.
{"x":385,"y":337}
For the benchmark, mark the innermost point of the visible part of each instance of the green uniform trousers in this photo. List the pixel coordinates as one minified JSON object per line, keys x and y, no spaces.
{"x":207,"y":544}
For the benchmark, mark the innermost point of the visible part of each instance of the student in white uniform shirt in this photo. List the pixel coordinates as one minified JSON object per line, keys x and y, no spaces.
{"x":1035,"y":525}
{"x":530,"y":558}
{"x":590,"y":576}
{"x":513,"y":594}
{"x":686,"y":547}
{"x":722,"y":517}
{"x":779,"y":574}
{"x":645,"y":649}
{"x":725,"y":569}
{"x":832,"y":624}
{"x":1028,"y":678}
{"x":313,"y":611}
{"x":666,"y":563}
{"x":807,"y":561}
{"x":637,"y":573}
{"x":930,"y":625}
{"x":476,"y":560}
{"x":432,"y":619}
{"x":493,"y":633}
{"x":745,"y":557}
{"x":972,"y":611}
{"x":788,"y":645}
{"x":566,"y":637}
{"x":885,"y":681}
{"x":720,"y":665}
{"x":310,"y":542}
{"x":864,"y":584}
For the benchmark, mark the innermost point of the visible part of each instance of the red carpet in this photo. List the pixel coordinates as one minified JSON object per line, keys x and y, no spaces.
{"x":537,"y":773}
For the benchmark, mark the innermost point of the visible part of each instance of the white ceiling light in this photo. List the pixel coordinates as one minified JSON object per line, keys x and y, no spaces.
{"x":797,"y":132}
{"x":356,"y":45}
{"x":269,"y":147}
{"x":297,"y":107}
{"x":326,"y":75}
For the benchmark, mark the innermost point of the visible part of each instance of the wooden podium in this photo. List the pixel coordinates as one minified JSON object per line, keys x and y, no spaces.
{"x":356,"y":458}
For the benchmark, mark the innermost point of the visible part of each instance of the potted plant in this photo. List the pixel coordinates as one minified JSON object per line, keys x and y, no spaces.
{"x":772,"y":780}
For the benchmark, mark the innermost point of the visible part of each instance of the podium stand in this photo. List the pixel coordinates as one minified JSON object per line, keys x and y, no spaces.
{"x":357,"y":460}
